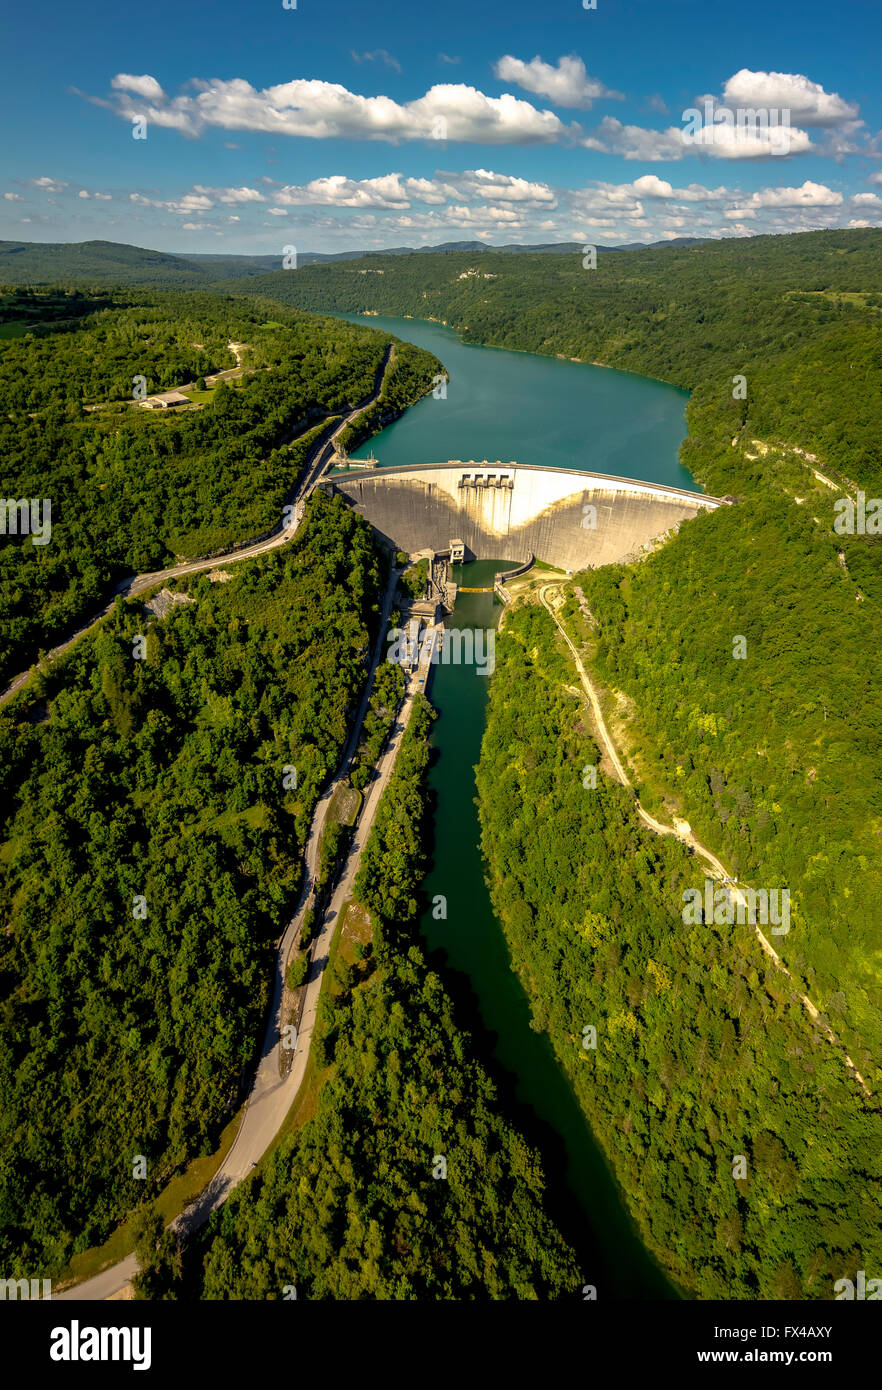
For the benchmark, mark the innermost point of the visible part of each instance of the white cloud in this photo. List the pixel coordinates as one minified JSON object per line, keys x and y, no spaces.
{"x":378,"y":56}
{"x":335,"y":190}
{"x":482,"y":183}
{"x":191,"y":202}
{"x":326,"y":110}
{"x":870,"y":200}
{"x":807,"y":102}
{"x":83,"y":194}
{"x":144,"y":86}
{"x":194,"y":226}
{"x":567,"y":84}
{"x":809,"y":195}
{"x":12,"y":197}
{"x":651,"y":186}
{"x":717,"y":141}
{"x":46,"y":184}
{"x":635,"y":142}
{"x":230,"y":195}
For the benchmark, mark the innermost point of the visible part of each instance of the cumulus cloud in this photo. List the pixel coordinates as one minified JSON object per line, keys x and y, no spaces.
{"x":635,"y":142}
{"x":336,"y":190}
{"x":191,"y":202}
{"x":651,"y":186}
{"x":319,"y":110}
{"x":809,"y":195}
{"x":230,"y":195}
{"x":567,"y":84}
{"x":143,"y":86}
{"x":483,"y":183}
{"x":807,"y":102}
{"x":716,"y":141}
{"x":46,"y":184}
{"x":12,"y":197}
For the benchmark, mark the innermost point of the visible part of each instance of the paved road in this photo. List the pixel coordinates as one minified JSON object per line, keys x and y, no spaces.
{"x":323,"y":452}
{"x":272,"y":1095}
{"x":687,"y":838}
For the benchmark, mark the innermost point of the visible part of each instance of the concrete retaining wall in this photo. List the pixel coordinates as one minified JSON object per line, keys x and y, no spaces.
{"x":512,"y":511}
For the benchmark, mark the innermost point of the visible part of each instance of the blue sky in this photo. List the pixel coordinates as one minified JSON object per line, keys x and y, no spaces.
{"x":337,"y":125}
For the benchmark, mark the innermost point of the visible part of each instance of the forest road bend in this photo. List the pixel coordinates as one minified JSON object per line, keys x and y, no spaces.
{"x":718,"y":869}
{"x":323,"y":452}
{"x":271,"y":1095}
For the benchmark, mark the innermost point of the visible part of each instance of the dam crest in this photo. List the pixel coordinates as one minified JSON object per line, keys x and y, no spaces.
{"x":564,"y":516}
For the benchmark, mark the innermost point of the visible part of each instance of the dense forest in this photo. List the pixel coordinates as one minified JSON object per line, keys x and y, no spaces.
{"x":151,"y":856}
{"x":703,"y":1055}
{"x":130,"y":489}
{"x":773,"y":758}
{"x":408,"y":1182}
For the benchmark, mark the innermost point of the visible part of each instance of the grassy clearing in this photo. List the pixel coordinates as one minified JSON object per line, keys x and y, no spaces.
{"x":345,"y":805}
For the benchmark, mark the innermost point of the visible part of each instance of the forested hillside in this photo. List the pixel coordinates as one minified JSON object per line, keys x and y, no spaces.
{"x":97,"y":263}
{"x":800,"y":316}
{"x":354,"y":1204}
{"x":775,"y":757}
{"x":150,"y":858}
{"x":703,"y":1054}
{"x":131,"y":488}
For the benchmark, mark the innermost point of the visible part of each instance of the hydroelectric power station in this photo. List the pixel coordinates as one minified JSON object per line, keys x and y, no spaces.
{"x":568,"y":518}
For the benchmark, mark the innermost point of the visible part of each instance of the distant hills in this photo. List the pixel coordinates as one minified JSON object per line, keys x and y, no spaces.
{"x":111,"y":262}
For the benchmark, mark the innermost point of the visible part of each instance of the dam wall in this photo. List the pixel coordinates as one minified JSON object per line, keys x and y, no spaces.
{"x":568,"y":518}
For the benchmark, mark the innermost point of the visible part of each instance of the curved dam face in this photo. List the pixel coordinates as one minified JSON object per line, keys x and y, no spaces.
{"x":563,"y":516}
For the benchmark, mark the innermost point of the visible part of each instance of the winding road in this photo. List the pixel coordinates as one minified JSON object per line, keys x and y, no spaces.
{"x":323,"y":451}
{"x":273,"y":1094}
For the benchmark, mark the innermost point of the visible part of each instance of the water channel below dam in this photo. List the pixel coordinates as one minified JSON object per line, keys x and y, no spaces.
{"x":530,"y":409}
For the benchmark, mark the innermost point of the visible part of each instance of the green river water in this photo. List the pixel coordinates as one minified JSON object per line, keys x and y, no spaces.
{"x":530,"y":409}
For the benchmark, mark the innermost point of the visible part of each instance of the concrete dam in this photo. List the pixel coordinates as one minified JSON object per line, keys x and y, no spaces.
{"x":568,"y":518}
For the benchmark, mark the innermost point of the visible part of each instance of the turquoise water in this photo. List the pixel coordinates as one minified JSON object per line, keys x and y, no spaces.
{"x":520,"y":407}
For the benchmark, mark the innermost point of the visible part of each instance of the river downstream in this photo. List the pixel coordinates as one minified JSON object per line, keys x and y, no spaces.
{"x":538,"y":410}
